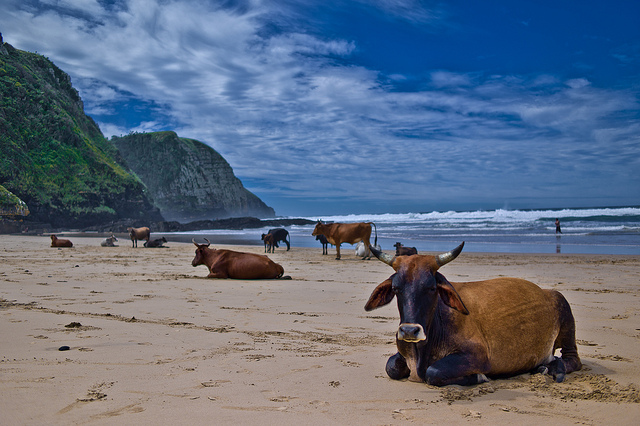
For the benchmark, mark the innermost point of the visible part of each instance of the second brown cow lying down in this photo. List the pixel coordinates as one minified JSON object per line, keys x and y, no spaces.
{"x":235,"y":264}
{"x":59,"y":242}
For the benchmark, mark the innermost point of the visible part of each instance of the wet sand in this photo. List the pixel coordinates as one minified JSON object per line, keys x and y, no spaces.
{"x":152,"y":341}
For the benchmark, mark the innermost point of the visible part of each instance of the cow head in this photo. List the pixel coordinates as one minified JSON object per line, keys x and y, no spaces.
{"x":319,"y":229}
{"x":418,"y":286}
{"x":201,"y":252}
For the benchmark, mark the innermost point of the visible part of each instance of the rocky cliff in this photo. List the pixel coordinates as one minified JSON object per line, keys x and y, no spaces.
{"x":187,"y":179}
{"x":53,"y":157}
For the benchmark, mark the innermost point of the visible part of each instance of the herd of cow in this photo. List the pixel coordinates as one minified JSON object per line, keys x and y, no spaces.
{"x":450,"y":333}
{"x":135,"y":234}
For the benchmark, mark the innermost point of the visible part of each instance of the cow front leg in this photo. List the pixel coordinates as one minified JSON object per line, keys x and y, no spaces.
{"x":456,"y":369}
{"x":217,"y":274}
{"x":337,"y":251}
{"x":397,"y":367}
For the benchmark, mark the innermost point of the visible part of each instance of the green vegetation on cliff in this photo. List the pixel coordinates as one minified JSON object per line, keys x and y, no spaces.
{"x":187,"y":179}
{"x":10,"y":205}
{"x":53,"y":156}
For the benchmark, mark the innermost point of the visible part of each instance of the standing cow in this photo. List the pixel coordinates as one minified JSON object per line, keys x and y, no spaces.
{"x":234,"y":264}
{"x":273,"y":236}
{"x":138,"y":234}
{"x":324,"y":242}
{"x":462,"y":333}
{"x":351,"y":233}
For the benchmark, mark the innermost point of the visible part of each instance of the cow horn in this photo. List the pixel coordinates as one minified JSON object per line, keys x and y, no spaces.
{"x":193,"y":240}
{"x":444,"y":258}
{"x":384,"y":257}
{"x":209,"y":243}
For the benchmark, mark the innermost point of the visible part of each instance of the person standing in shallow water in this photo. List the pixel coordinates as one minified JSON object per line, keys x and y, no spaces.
{"x":558,"y":230}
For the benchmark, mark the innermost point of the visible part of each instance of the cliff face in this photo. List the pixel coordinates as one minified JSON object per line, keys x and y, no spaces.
{"x":187,"y":179}
{"x":53,"y":156}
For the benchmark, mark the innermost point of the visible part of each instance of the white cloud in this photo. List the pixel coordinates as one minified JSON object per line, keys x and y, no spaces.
{"x":289,"y":112}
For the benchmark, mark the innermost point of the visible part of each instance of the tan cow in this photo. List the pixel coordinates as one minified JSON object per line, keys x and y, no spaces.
{"x":351,"y":233}
{"x":463,"y":333}
{"x":138,"y":234}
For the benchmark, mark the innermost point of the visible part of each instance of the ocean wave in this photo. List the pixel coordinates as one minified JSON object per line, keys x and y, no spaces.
{"x":499,"y":215}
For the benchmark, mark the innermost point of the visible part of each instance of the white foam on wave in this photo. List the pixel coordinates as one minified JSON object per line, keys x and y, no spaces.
{"x":487,"y":216}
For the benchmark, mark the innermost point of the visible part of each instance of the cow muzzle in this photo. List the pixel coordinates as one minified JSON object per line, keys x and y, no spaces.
{"x":411,"y":333}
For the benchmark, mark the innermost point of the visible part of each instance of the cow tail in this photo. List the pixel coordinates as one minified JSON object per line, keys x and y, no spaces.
{"x":375,"y":243}
{"x":280,"y":270}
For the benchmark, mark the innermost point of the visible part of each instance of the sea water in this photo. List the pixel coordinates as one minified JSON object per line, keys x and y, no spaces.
{"x":614,"y":230}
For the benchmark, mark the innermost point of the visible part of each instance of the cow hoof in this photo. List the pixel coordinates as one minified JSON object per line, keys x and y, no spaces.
{"x":481,"y":378}
{"x":557,"y":369}
{"x":543,"y":369}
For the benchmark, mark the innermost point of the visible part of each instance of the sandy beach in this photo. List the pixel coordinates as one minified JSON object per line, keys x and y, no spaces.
{"x":152,"y":341}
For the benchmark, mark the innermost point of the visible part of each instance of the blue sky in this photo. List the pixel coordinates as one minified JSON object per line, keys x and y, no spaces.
{"x":368,"y":106}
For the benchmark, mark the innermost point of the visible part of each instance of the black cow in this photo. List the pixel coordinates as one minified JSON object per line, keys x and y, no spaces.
{"x":277,"y":234}
{"x":324,"y":242}
{"x":158,"y":242}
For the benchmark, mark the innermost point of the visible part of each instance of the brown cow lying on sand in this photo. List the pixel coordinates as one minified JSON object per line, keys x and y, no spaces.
{"x":235,"y":264}
{"x":59,"y":242}
{"x":462,"y":333}
{"x":138,"y":234}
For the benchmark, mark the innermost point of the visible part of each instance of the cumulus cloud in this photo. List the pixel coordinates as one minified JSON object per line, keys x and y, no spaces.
{"x":299,"y":120}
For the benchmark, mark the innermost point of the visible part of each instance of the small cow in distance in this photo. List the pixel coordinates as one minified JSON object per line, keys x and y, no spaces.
{"x":235,"y":264}
{"x":360,"y":249}
{"x":109,"y":241}
{"x":324,"y":242}
{"x":464,"y":333}
{"x":138,"y":234}
{"x":269,"y":243}
{"x":273,"y":236}
{"x":404,"y":251}
{"x":59,"y":242}
{"x":158,"y":242}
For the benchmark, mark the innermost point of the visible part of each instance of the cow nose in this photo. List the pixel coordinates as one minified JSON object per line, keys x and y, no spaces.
{"x":411,"y":333}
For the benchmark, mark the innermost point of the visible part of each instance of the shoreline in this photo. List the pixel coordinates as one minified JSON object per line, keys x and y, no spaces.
{"x":156,"y":342}
{"x":252,"y":238}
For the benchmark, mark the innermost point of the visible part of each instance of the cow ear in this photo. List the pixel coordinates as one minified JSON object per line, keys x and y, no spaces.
{"x":449,"y":295}
{"x":382,"y":295}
